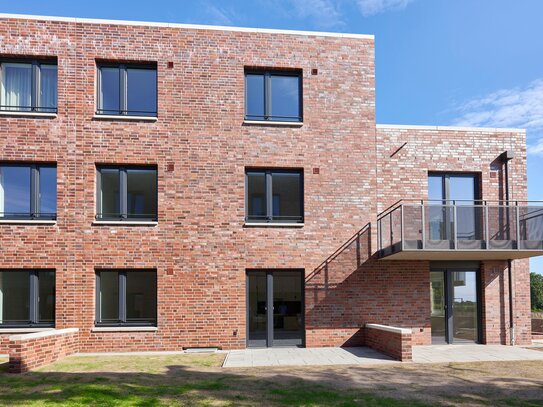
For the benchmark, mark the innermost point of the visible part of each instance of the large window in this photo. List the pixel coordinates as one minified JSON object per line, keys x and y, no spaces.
{"x":126,"y":297}
{"x":127,"y":193}
{"x":127,"y":90}
{"x":28,"y":192}
{"x":27,"y":298}
{"x":273,"y":96}
{"x":274,"y":196}
{"x":28,"y":86}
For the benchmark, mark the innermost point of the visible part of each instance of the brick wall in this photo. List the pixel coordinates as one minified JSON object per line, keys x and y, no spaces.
{"x":394,"y":342}
{"x":200,"y":247}
{"x":29,"y":351}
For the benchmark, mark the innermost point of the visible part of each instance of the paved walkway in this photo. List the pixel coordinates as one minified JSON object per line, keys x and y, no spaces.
{"x":472,"y":353}
{"x":366,"y":356}
{"x":304,"y":356}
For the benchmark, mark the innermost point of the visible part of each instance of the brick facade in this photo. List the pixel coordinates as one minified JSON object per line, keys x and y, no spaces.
{"x":201,"y":147}
{"x":394,"y":342}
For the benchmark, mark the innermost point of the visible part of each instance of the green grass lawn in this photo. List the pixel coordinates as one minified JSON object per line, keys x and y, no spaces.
{"x":198,"y":380}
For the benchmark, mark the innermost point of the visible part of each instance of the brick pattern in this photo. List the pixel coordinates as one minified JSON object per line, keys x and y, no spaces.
{"x":394,"y":344}
{"x":201,"y":147}
{"x":26,"y":354}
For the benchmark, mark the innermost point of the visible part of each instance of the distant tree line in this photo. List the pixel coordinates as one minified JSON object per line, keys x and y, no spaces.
{"x":536,"y":291}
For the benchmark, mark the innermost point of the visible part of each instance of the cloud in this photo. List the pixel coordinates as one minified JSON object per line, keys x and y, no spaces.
{"x":220,"y":15}
{"x":520,"y":107}
{"x":325,"y":13}
{"x":373,"y":7}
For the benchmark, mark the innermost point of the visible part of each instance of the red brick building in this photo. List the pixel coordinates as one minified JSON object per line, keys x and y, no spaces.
{"x":169,"y":186}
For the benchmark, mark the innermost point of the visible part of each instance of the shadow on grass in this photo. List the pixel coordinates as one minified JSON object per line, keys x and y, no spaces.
{"x":326,"y":386}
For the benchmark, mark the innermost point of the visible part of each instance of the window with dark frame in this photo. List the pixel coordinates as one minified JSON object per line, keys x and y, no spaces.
{"x":127,"y":89}
{"x":126,"y":297}
{"x":274,"y":196}
{"x":28,"y":191}
{"x":27,"y":298}
{"x":273,"y":96}
{"x":127,"y":193}
{"x":28,"y":85}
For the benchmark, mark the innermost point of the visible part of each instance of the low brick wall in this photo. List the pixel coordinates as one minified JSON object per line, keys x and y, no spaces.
{"x":29,"y":351}
{"x":394,"y":342}
{"x":537,"y":324}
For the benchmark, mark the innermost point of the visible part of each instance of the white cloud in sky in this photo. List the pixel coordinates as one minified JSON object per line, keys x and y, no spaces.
{"x":221,"y":15}
{"x":520,"y":107}
{"x":325,"y":13}
{"x":373,"y":7}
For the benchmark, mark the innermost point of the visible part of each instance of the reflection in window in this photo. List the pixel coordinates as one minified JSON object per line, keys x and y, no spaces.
{"x":273,"y":95}
{"x":20,"y":197}
{"x":127,"y":90}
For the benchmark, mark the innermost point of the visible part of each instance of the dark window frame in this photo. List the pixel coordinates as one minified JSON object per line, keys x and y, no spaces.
{"x":123,"y":195}
{"x":123,"y":89}
{"x":34,"y":288}
{"x":268,"y":73}
{"x":35,"y":85}
{"x":269,"y":217}
{"x":122,"y":321}
{"x":34,"y":193}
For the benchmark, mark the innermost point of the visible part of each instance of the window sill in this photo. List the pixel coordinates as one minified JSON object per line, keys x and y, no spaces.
{"x":124,"y":223}
{"x":125,"y":117}
{"x":23,"y":330}
{"x":28,"y":114}
{"x":124,"y":329}
{"x":272,"y":123}
{"x":274,"y":224}
{"x":27,"y":222}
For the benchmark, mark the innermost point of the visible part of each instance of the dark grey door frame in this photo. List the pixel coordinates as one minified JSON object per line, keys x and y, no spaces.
{"x":448,"y":268}
{"x":269,"y":304}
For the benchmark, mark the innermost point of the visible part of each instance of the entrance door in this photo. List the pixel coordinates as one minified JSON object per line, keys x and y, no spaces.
{"x":275,"y":308}
{"x":454,"y":306}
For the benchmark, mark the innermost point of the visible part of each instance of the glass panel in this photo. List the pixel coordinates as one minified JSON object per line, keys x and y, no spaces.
{"x":286,"y":196}
{"x":462,"y":191}
{"x":256,"y":195}
{"x":14,"y":191}
{"x":109,"y":296}
{"x":437,"y":298}
{"x":257,"y":308}
{"x":16,"y":87}
{"x":141,"y":92}
{"x":462,"y":188}
{"x":14,"y":298}
{"x":110,"y":98}
{"x":48,"y":88}
{"x":110,"y":193}
{"x":46,"y":299}
{"x":141,"y":296}
{"x":435,"y":188}
{"x":254,"y":93}
{"x":464,"y":306}
{"x":285,"y":98}
{"x":48,"y":191}
{"x":287,"y":308}
{"x":142,"y":193}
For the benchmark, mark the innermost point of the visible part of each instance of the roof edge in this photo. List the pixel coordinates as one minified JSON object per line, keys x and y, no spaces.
{"x":453,"y":128}
{"x":186,"y":26}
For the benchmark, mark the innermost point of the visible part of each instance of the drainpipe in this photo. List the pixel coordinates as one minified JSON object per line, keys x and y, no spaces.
{"x":505,"y":157}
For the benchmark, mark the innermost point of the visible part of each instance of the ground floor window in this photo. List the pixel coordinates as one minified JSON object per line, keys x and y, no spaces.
{"x":27,"y":298}
{"x":126,"y":297}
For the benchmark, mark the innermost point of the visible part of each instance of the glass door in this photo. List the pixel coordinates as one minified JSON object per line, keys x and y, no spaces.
{"x":454,"y":306}
{"x":275,"y":308}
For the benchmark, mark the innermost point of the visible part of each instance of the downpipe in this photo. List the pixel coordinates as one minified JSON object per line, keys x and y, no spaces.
{"x":511,"y":313}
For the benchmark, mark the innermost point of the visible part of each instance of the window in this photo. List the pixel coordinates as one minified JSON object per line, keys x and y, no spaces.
{"x":126,"y":297}
{"x":28,"y":86}
{"x":127,"y":90}
{"x":28,"y":192}
{"x":27,"y":298}
{"x":274,"y":196}
{"x":273,"y":96}
{"x":127,"y":193}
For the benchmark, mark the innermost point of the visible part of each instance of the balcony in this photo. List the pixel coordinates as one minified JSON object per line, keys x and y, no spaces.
{"x":460,"y":230}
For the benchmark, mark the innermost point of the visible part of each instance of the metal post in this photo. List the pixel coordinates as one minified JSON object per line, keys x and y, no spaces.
{"x":517,"y":218}
{"x":487,"y":229}
{"x":455,"y":237}
{"x":401,"y":228}
{"x":423,"y":226}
